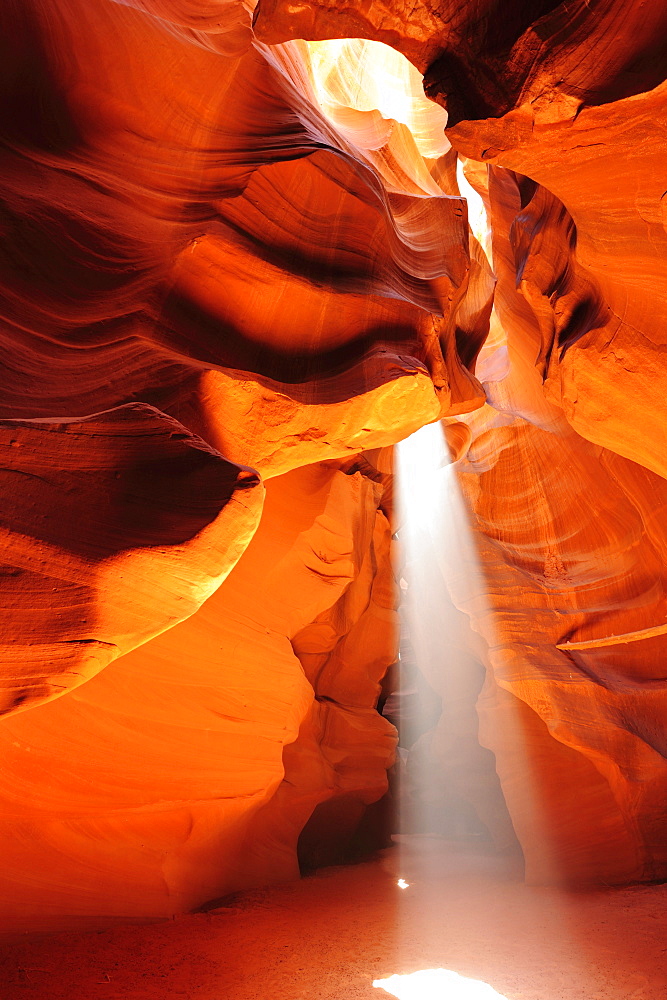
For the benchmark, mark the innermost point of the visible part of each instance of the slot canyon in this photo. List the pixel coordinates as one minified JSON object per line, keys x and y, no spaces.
{"x":333,"y":420}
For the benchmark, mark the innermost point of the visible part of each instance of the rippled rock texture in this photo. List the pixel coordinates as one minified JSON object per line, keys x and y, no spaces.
{"x":235,"y":268}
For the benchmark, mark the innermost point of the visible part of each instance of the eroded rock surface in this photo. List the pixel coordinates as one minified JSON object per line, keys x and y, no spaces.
{"x":229,"y":266}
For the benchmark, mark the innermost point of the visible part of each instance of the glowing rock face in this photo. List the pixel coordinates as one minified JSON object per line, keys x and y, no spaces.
{"x":226,"y":270}
{"x":369,"y":90}
{"x":437,"y":984}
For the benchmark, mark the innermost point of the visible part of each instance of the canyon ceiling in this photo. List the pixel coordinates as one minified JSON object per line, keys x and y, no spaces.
{"x":234,"y":271}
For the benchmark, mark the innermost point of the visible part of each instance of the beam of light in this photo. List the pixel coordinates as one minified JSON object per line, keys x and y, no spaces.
{"x":451,"y":786}
{"x":477,"y":217}
{"x":438,"y":551}
{"x":441,"y":655}
{"x":437,"y":984}
{"x":449,"y":792}
{"x":402,"y":884}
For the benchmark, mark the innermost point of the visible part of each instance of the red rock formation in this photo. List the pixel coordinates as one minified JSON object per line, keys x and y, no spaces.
{"x":567,"y":106}
{"x":115,"y":527}
{"x":216,"y":272}
{"x":157,"y":785}
{"x":572,"y":97}
{"x":573,"y":704}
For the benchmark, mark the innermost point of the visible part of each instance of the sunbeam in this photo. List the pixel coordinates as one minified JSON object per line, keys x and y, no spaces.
{"x":441,"y":656}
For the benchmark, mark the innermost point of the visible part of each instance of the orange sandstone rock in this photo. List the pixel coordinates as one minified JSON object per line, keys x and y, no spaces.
{"x":115,"y":527}
{"x":161,"y":784}
{"x":566,"y":105}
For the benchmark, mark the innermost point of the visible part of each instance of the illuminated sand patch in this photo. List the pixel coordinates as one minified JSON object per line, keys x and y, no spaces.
{"x":437,"y":984}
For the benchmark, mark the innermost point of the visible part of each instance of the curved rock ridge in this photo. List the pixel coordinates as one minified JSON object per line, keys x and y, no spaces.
{"x":170,"y":787}
{"x":115,"y":527}
{"x":600,"y":288}
{"x":219,"y":25}
{"x":223,"y":182}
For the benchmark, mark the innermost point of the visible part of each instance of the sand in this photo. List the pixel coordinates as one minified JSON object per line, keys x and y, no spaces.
{"x":330,"y":935}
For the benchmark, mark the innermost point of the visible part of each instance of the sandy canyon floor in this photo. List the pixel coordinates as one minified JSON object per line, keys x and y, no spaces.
{"x":329,"y":936}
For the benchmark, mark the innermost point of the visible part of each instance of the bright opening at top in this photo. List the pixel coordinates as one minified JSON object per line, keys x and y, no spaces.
{"x":367,"y":76}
